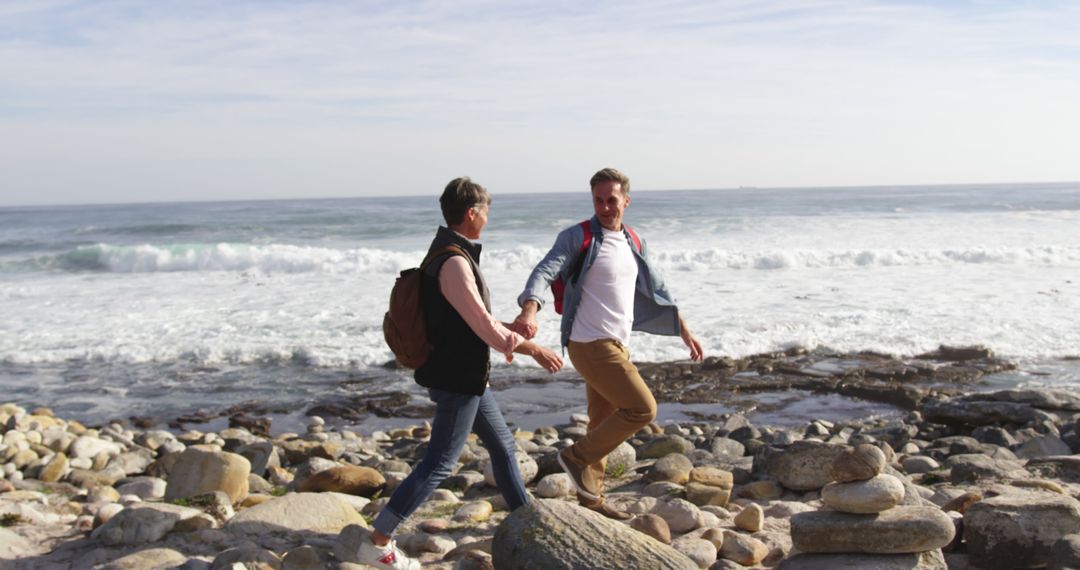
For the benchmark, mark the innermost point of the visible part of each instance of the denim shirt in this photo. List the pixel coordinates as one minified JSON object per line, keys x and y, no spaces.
{"x":654,"y":306}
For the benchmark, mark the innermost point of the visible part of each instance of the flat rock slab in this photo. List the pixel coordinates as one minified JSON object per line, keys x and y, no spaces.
{"x":932,"y":560}
{"x":1019,"y":530}
{"x":901,"y":530}
{"x":549,"y":534}
{"x":979,"y":413}
{"x":296,"y":512}
{"x":143,"y":523}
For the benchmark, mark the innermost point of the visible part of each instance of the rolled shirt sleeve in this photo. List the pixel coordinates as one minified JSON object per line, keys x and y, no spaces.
{"x":458,"y":285}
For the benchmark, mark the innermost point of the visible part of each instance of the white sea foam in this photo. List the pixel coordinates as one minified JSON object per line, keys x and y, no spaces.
{"x":278,"y":258}
{"x":900,"y":283}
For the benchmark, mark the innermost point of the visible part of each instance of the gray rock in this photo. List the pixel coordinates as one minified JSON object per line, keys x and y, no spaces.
{"x":555,"y":535}
{"x":1019,"y":530}
{"x":920,"y":464}
{"x":978,"y":413}
{"x":144,"y":523}
{"x":12,"y":545}
{"x":424,"y":542}
{"x":653,"y":526}
{"x":932,"y":560}
{"x":994,"y":435}
{"x":246,"y":556}
{"x":526,"y":467}
{"x":1066,"y":553}
{"x":261,"y":454}
{"x":133,"y":462}
{"x":146,"y":488}
{"x":296,"y":512}
{"x":149,"y":558}
{"x":727,"y":446}
{"x":674,"y":467}
{"x":901,"y":530}
{"x":804,"y":466}
{"x":702,"y":552}
{"x":554,"y":485}
{"x":1043,"y":446}
{"x":303,"y":558}
{"x":878,"y":494}
{"x":972,"y":467}
{"x":742,"y":548}
{"x":198,"y":471}
{"x":1047,"y":399}
{"x":680,"y":515}
{"x":91,"y":447}
{"x":663,"y":445}
{"x":622,"y":459}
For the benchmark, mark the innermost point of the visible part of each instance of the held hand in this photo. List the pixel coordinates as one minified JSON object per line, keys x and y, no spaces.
{"x":549,"y":360}
{"x":696,"y":353}
{"x":525,"y":324}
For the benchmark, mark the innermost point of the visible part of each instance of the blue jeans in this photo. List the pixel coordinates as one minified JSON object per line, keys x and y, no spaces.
{"x":456,"y":415}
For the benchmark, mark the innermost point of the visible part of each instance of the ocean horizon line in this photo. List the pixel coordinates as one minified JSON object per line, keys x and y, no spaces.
{"x":883,"y":186}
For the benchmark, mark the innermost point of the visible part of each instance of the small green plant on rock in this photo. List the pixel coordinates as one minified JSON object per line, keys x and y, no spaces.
{"x":618,"y":471}
{"x":11,"y":519}
{"x":278,"y":491}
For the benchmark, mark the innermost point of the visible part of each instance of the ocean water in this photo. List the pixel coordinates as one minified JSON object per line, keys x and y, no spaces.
{"x":158,"y":309}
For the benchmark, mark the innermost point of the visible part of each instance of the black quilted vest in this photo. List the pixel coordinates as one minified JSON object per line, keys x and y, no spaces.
{"x":460,"y":361}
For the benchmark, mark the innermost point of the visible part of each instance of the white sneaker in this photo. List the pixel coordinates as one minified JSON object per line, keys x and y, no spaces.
{"x":388,"y":557}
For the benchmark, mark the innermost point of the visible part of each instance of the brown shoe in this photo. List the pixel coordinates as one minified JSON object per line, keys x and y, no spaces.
{"x":583,"y":482}
{"x":606,"y":509}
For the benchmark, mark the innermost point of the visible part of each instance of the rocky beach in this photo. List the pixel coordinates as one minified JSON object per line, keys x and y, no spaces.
{"x":957,"y":476}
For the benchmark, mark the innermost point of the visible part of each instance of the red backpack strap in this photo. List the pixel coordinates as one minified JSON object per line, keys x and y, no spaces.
{"x":586,"y":227}
{"x":634,"y":237}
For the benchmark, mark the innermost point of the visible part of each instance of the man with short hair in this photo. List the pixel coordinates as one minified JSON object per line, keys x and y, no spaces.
{"x":610,"y":290}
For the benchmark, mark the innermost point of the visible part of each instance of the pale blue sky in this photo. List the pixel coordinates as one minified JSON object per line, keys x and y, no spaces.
{"x":150,"y":101}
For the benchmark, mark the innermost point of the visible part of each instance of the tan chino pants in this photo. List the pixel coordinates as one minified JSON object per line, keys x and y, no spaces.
{"x":619,"y":401}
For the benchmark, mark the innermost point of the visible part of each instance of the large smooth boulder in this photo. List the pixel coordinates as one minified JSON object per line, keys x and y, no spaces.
{"x":143,"y":523}
{"x":559,"y":535}
{"x":932,"y":560}
{"x":1019,"y":530}
{"x":901,"y":530}
{"x":296,"y":512}
{"x":803,"y":466}
{"x":880,"y":493}
{"x":198,"y":471}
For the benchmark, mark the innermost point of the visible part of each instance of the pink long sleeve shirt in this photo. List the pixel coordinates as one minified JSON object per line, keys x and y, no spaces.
{"x":458,"y":284}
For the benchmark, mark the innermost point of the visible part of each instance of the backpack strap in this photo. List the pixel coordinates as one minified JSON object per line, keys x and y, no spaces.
{"x":634,"y":237}
{"x":579,"y":261}
{"x":586,"y":227}
{"x":451,"y":249}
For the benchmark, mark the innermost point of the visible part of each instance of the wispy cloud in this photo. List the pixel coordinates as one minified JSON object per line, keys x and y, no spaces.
{"x":686,"y":94}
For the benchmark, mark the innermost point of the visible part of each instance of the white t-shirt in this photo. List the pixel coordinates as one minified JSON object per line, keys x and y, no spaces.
{"x":607,"y":293}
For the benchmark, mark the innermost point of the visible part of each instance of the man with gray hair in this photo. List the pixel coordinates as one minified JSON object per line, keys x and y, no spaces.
{"x":609,"y":287}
